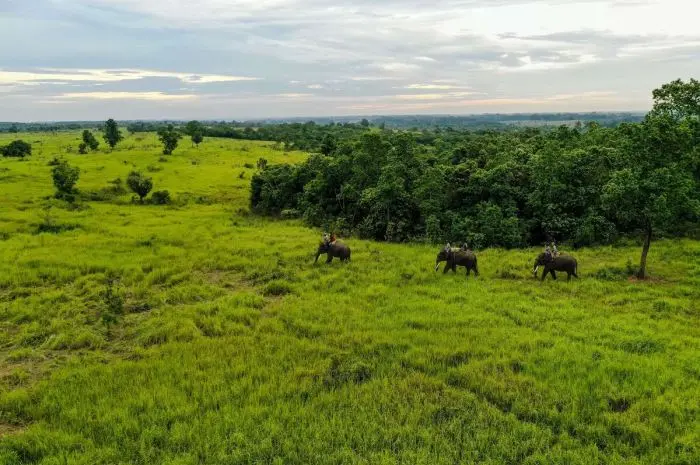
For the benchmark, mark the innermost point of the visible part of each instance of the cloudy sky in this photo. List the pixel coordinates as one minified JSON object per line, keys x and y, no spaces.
{"x":236,"y":59}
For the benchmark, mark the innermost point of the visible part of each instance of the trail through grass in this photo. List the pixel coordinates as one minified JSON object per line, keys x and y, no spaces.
{"x":218,"y":340}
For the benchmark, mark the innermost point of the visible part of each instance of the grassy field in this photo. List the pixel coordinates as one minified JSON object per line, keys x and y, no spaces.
{"x":197,"y":333}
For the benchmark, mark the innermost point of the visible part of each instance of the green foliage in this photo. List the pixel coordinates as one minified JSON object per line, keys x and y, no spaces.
{"x":113,"y":302}
{"x":169,"y":137}
{"x":195,"y":130}
{"x":17,"y":148}
{"x":65,"y":177}
{"x":197,"y":138}
{"x":160,"y":198}
{"x":112,"y":135}
{"x":89,"y":140}
{"x":655,"y":188}
{"x":230,"y":347}
{"x":139,"y":184}
{"x":262,"y":164}
{"x":329,"y":144}
{"x":580,"y":184}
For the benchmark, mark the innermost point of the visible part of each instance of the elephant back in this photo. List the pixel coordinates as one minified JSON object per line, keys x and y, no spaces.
{"x":464,"y":257}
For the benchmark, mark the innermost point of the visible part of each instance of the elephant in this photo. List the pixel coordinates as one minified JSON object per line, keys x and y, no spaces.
{"x":551,"y":264}
{"x":333,"y":249}
{"x":457,"y":257}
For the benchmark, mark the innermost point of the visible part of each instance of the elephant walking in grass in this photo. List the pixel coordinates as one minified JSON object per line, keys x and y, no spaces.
{"x":332,"y":250}
{"x":457,"y":257}
{"x":565,"y":263}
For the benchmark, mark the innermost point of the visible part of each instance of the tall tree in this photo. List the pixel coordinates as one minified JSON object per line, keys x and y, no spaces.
{"x":195,"y":130}
{"x":169,"y":137}
{"x":112,"y":135}
{"x":656,"y":187}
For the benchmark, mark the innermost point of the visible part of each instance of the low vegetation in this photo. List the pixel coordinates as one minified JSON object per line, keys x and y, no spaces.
{"x":193,"y":332}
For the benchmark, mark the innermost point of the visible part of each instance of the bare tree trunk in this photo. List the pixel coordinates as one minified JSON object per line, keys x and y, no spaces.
{"x":642,"y":273}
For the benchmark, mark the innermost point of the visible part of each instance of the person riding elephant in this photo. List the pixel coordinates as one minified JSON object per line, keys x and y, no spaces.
{"x":333,"y":249}
{"x":457,"y":257}
{"x":552,"y":264}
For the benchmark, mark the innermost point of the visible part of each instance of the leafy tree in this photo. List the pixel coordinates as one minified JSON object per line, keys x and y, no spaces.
{"x":197,"y":138}
{"x":329,"y":144}
{"x":262,"y":164}
{"x":169,"y":138}
{"x":83,"y":148}
{"x":678,"y":99}
{"x":193,"y":127}
{"x":17,"y":148}
{"x":139,"y":184}
{"x":195,"y":130}
{"x":364,"y":123}
{"x":89,"y":140}
{"x":64,"y":178}
{"x":656,"y":188}
{"x":584,"y":184}
{"x":112,"y":135}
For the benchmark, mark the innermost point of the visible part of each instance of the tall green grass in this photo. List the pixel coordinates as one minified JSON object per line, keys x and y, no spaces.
{"x":219,"y":341}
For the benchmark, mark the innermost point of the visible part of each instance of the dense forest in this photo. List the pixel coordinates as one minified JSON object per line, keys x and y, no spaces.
{"x":235,"y":129}
{"x":583,"y":185}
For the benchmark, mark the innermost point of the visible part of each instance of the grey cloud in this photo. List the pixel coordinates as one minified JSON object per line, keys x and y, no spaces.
{"x":362,"y":51}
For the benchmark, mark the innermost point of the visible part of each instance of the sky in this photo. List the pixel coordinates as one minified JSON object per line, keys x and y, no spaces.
{"x":241,"y":59}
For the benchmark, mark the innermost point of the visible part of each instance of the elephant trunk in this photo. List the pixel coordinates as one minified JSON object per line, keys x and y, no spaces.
{"x":318,"y":254}
{"x":437,"y":264}
{"x":535,"y":268}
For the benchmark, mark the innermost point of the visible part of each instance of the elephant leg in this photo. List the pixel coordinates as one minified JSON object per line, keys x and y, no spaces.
{"x":469,"y":271}
{"x":329,"y":259}
{"x":568,"y":276}
{"x":554,"y":275}
{"x":447,"y":268}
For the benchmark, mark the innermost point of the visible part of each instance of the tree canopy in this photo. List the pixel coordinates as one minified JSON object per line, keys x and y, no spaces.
{"x":112,"y":135}
{"x":583,"y":184}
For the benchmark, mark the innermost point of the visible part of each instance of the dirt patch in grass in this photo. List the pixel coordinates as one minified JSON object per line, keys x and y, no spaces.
{"x":9,"y":430}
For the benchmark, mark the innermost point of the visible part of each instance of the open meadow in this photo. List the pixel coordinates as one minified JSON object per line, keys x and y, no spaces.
{"x":199,"y":333}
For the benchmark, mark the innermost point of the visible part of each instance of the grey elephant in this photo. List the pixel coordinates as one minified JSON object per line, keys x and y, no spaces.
{"x":333,"y":249}
{"x":457,"y":257}
{"x":565,"y":263}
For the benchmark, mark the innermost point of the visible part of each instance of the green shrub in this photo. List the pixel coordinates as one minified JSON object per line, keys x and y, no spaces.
{"x":64,"y":178}
{"x":17,"y":148}
{"x":139,"y":184}
{"x":160,"y":198}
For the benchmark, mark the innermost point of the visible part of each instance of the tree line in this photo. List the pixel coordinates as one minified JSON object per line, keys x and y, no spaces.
{"x":583,"y":185}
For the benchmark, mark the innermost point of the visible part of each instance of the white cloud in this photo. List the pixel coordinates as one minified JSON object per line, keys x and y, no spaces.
{"x":434,"y":86}
{"x":366,"y":52}
{"x":124,"y":96}
{"x":593,"y":95}
{"x":293,"y":95}
{"x":109,"y":75}
{"x":395,"y":67}
{"x":373,"y":78}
